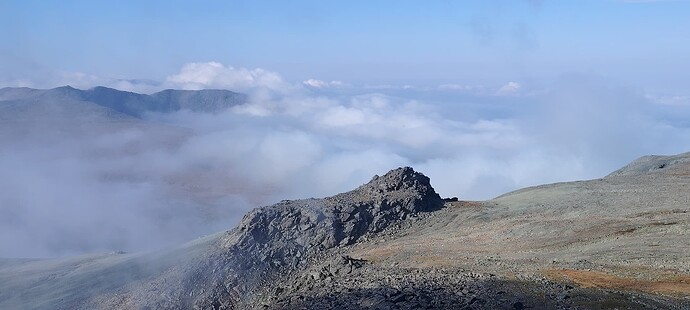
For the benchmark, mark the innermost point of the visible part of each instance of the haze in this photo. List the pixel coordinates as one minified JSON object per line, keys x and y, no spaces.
{"x":482,"y":96}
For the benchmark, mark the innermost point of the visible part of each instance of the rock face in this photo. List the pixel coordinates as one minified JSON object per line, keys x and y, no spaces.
{"x":342,"y":219}
{"x":287,"y":236}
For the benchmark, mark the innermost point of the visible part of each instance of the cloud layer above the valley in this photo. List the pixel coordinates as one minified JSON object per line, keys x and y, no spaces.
{"x":173,"y":177}
{"x":206,"y":75}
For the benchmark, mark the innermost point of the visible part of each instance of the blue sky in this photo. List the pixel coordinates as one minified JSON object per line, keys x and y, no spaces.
{"x":643,"y":43}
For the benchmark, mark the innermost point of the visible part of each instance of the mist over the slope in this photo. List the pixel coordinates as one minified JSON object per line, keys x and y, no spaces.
{"x":89,"y":184}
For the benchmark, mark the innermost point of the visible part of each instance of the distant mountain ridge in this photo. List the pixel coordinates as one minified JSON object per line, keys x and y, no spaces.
{"x":124,"y":102}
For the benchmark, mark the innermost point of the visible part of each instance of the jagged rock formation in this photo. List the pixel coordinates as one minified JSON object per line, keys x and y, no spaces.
{"x":276,"y":240}
{"x":339,"y":220}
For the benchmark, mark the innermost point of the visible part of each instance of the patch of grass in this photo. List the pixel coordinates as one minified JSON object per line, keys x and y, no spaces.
{"x":678,"y":286}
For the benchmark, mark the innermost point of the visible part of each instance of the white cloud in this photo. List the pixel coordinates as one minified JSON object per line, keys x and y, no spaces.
{"x":509,"y":89}
{"x":322,"y":84}
{"x":315,"y":83}
{"x":216,"y":75}
{"x":297,"y":145}
{"x":198,"y":75}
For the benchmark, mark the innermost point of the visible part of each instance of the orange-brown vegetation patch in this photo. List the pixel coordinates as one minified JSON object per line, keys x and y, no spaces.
{"x":379,"y":253}
{"x":465,"y":204}
{"x":678,"y":285}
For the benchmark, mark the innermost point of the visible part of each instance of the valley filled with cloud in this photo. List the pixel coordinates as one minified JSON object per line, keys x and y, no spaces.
{"x":165,"y":178}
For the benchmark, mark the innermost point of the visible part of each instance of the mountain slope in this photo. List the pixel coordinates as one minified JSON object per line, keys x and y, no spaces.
{"x":225,"y":268}
{"x":617,"y":242}
{"x":103,"y":100}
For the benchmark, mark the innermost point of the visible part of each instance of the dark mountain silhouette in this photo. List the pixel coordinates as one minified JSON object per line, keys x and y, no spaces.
{"x":29,"y":102}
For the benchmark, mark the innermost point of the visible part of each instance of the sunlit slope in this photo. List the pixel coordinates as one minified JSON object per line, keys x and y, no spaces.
{"x":629,"y":231}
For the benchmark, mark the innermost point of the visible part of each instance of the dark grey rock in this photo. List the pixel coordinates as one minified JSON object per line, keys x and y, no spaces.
{"x":278,"y":239}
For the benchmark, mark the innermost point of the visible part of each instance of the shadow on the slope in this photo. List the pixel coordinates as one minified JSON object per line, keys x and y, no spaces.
{"x":487,"y":295}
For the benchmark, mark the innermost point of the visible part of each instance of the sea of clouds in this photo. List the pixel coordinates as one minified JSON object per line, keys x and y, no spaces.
{"x":90,"y":184}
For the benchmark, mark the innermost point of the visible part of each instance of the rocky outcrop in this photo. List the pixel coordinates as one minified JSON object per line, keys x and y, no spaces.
{"x":283,"y":237}
{"x":284,"y":231}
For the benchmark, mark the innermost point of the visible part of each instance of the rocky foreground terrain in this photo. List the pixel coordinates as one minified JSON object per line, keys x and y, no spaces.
{"x":620,"y":242}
